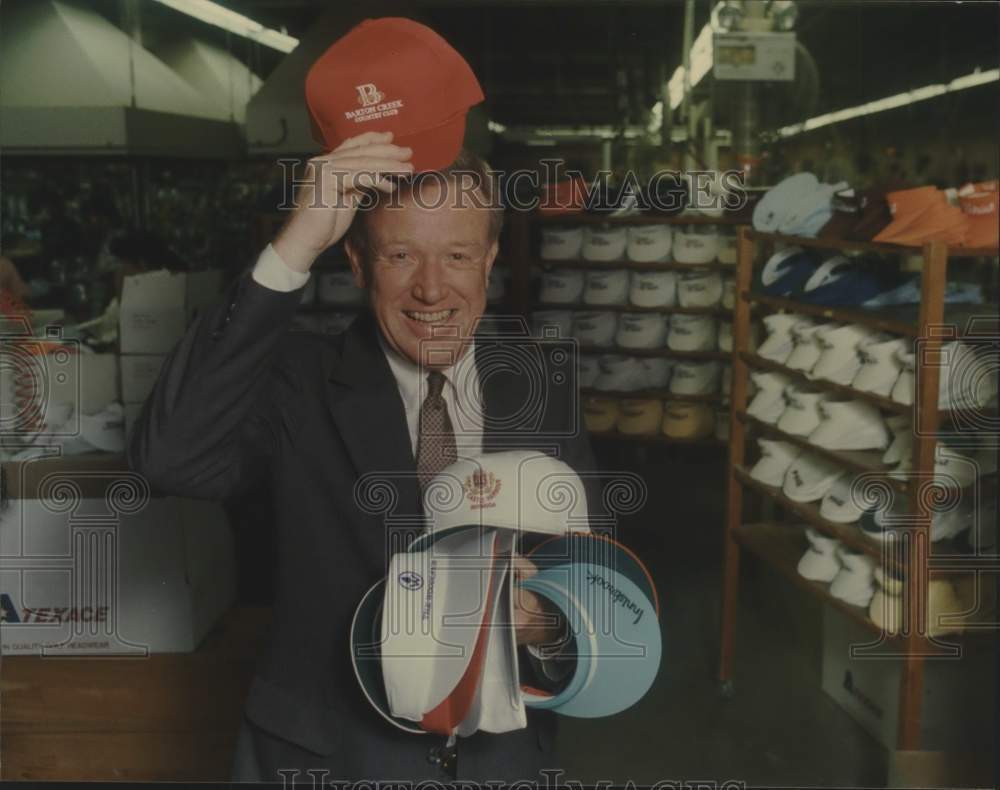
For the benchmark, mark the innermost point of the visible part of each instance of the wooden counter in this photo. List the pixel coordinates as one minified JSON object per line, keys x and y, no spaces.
{"x":171,"y":716}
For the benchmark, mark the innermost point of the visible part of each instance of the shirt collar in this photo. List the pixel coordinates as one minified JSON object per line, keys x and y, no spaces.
{"x":409,"y":375}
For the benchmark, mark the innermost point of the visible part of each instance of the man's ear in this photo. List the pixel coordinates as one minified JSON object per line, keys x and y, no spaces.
{"x":357,"y":264}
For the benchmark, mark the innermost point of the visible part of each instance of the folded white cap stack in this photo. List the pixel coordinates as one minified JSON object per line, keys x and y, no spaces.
{"x":648,"y":243}
{"x":809,"y":477}
{"x":805,"y":345}
{"x":653,"y":289}
{"x":692,"y":332}
{"x":561,"y":286}
{"x":855,"y":583}
{"x":802,"y":411}
{"x":850,"y":425}
{"x":604,"y":244}
{"x":777,"y":346}
{"x":699,"y":288}
{"x":588,"y":371}
{"x":775,"y":458}
{"x":880,"y":364}
{"x":695,"y":244}
{"x":595,"y":329}
{"x":844,"y":502}
{"x":839,"y":361}
{"x":641,"y":330}
{"x":561,"y":244}
{"x":695,"y":378}
{"x":819,"y":563}
{"x":620,"y":374}
{"x":606,"y":287}
{"x":769,"y":402}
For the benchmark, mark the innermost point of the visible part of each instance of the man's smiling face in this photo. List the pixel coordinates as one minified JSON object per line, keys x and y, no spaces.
{"x":429,"y":268}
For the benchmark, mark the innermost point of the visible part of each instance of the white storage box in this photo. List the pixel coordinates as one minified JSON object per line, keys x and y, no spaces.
{"x":139,"y":374}
{"x":156,"y":308}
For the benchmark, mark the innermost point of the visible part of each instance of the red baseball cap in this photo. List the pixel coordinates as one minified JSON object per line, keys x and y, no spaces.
{"x":393,"y":75}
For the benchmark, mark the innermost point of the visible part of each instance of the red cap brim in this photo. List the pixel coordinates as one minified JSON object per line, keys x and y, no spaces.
{"x":435,"y":148}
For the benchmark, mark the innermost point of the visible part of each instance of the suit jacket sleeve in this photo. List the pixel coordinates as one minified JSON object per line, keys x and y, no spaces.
{"x":212,"y":419}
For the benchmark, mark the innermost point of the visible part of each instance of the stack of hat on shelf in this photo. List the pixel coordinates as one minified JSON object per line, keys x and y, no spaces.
{"x":801,"y":205}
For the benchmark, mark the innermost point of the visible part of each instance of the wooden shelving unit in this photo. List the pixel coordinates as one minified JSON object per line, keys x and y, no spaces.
{"x":781,"y":545}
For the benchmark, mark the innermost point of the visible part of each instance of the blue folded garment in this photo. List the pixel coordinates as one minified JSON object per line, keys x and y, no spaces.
{"x":787,"y":271}
{"x":843,"y":282}
{"x":908,"y":292}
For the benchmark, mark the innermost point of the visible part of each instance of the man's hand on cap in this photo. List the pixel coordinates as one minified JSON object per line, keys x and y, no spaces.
{"x":330,"y":191}
{"x":534,"y":622}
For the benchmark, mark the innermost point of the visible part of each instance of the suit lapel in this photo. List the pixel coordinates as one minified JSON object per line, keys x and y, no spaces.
{"x":503,"y":391}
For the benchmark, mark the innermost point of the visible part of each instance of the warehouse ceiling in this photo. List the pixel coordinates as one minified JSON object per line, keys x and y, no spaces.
{"x":589,"y":63}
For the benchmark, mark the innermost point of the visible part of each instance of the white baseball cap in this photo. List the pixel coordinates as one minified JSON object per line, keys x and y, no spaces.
{"x":801,"y":415}
{"x":695,"y":378}
{"x":768,"y":403}
{"x":648,"y":243}
{"x":606,"y":287}
{"x":561,"y":286}
{"x":805,"y":345}
{"x":604,"y":244}
{"x":620,"y":374}
{"x":819,"y":563}
{"x":699,"y":288}
{"x":640,"y":417}
{"x":695,"y":244}
{"x":842,"y":504}
{"x":595,"y":329}
{"x":692,"y":332}
{"x":588,"y":371}
{"x":850,"y":425}
{"x":600,"y":414}
{"x":653,"y":289}
{"x":880,"y":364}
{"x":683,"y":420}
{"x":855,"y":583}
{"x":775,"y":458}
{"x":552,"y":323}
{"x":727,"y":247}
{"x":902,"y":439}
{"x":658,"y":370}
{"x":902,"y":390}
{"x":641,"y":330}
{"x":809,"y":477}
{"x":728,"y":292}
{"x":839,"y":361}
{"x":338,"y":287}
{"x":777,"y":346}
{"x":561,"y":244}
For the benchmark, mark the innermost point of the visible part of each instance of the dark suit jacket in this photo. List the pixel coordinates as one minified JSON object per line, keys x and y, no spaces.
{"x":243,"y":401}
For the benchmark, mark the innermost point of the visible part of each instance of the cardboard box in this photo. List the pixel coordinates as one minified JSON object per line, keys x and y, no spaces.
{"x":156,"y":308}
{"x":139,"y":373}
{"x":959,"y":693}
{"x":102,"y":576}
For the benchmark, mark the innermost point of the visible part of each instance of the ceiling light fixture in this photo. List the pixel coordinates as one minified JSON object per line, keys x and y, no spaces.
{"x":215,"y":14}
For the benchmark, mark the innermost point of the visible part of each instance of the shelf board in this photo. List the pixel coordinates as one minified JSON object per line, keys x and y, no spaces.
{"x":583,"y":218}
{"x":866,"y":461}
{"x":868,"y":246}
{"x":653,"y":438}
{"x":721,"y":356}
{"x":888,"y":404}
{"x":658,"y":394}
{"x":664,"y":266}
{"x":848,"y":534}
{"x":781,"y":546}
{"x":604,"y":308}
{"x":870,"y":318}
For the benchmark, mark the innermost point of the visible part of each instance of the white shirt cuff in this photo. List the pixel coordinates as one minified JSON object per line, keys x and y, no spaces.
{"x":272,"y":272}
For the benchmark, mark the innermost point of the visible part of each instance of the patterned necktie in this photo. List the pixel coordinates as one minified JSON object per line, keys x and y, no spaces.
{"x":436,"y":441}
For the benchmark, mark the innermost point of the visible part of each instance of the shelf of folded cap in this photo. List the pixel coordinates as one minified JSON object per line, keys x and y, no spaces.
{"x":882,"y":320}
{"x":845,"y":245}
{"x":781,"y":546}
{"x":653,"y":266}
{"x":657,"y":438}
{"x":848,"y":534}
{"x":585,"y":218}
{"x":867,"y":461}
{"x":600,"y":308}
{"x":759,"y":363}
{"x":722,"y":356}
{"x":654,"y":394}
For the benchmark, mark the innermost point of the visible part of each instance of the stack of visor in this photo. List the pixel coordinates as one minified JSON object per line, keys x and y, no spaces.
{"x":648,"y":243}
{"x":561,"y":286}
{"x":683,"y":420}
{"x":604,"y":244}
{"x":695,"y":244}
{"x":434,"y":646}
{"x":561,"y":244}
{"x":606,"y":287}
{"x":921,"y":215}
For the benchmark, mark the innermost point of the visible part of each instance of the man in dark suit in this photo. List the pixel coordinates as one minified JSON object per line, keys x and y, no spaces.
{"x":243,"y":401}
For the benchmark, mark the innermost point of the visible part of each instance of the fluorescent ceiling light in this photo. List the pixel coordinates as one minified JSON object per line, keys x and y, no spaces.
{"x":496,"y":127}
{"x":215,"y":14}
{"x":892,"y":102}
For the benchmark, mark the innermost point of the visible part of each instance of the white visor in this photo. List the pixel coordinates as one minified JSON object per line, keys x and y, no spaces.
{"x":838,"y":360}
{"x":648,"y":243}
{"x":604,"y":244}
{"x":640,"y":417}
{"x":620,"y":374}
{"x":805,"y":345}
{"x":850,"y":425}
{"x":695,"y":244}
{"x":606,"y":287}
{"x":880,"y":364}
{"x":687,"y":420}
{"x":768,"y":403}
{"x":561,"y":286}
{"x":653,"y":289}
{"x":777,"y":346}
{"x":695,"y":378}
{"x":699,"y":289}
{"x":692,"y":332}
{"x":802,"y":413}
{"x":809,"y":477}
{"x":641,"y":330}
{"x":842,"y":504}
{"x":819,"y":563}
{"x":595,"y":329}
{"x":561,"y":244}
{"x":775,"y":458}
